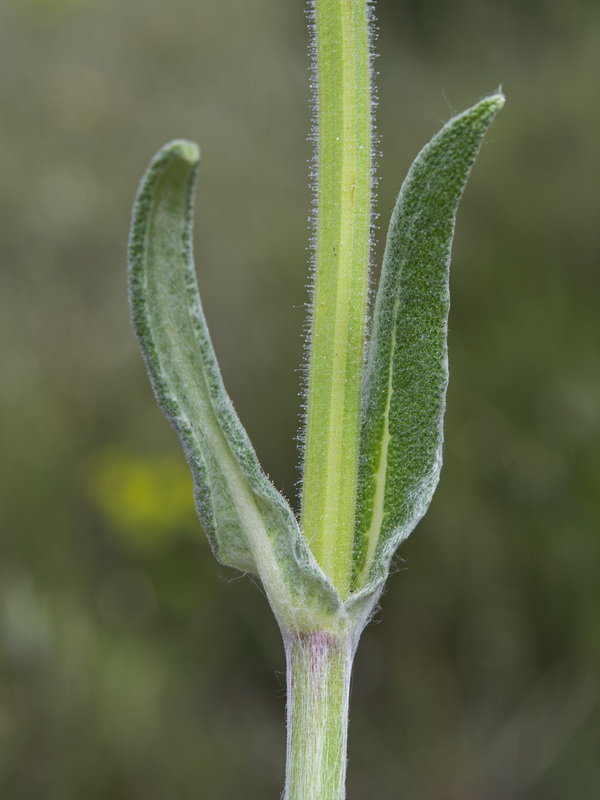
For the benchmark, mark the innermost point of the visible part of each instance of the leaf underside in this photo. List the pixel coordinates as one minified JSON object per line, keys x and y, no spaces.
{"x":249,"y":524}
{"x":406,"y":371}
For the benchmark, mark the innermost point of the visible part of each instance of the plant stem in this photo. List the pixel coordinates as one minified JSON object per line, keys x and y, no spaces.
{"x":340,"y":284}
{"x":319,"y":665}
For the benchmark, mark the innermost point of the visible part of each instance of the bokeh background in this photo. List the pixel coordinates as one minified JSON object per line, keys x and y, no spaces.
{"x":132,"y":665}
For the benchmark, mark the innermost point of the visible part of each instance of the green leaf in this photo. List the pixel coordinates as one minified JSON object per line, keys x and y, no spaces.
{"x":407,"y":365}
{"x":249,"y":524}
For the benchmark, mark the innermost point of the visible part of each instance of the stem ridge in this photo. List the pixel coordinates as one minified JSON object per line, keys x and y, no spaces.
{"x":340,"y":285}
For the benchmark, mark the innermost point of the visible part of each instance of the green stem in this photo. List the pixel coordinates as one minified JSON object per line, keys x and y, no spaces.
{"x":340,"y":285}
{"x":319,"y":666}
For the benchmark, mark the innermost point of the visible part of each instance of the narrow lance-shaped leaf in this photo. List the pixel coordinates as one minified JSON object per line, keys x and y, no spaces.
{"x":249,"y":524}
{"x":407,"y":366}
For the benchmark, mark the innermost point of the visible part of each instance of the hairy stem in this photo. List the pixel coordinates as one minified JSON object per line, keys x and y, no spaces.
{"x":340,"y":284}
{"x":318,"y":669}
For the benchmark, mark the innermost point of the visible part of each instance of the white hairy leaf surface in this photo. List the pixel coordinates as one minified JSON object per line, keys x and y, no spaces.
{"x":248,"y":522}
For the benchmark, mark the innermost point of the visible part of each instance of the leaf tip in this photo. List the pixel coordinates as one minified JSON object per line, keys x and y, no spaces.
{"x":183,"y":149}
{"x":495,"y":101}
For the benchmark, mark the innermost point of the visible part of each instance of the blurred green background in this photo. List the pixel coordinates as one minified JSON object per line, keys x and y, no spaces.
{"x":131,"y":664}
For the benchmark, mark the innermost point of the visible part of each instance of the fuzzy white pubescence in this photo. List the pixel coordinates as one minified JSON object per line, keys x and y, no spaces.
{"x":313,"y":137}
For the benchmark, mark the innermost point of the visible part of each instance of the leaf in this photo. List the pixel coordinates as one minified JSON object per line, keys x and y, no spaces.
{"x":406,"y":373}
{"x":249,"y":524}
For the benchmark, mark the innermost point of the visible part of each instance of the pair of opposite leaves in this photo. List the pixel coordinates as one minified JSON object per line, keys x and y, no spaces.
{"x":248,"y":522}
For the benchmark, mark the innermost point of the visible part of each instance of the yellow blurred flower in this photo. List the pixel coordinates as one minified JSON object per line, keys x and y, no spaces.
{"x":147,"y":501}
